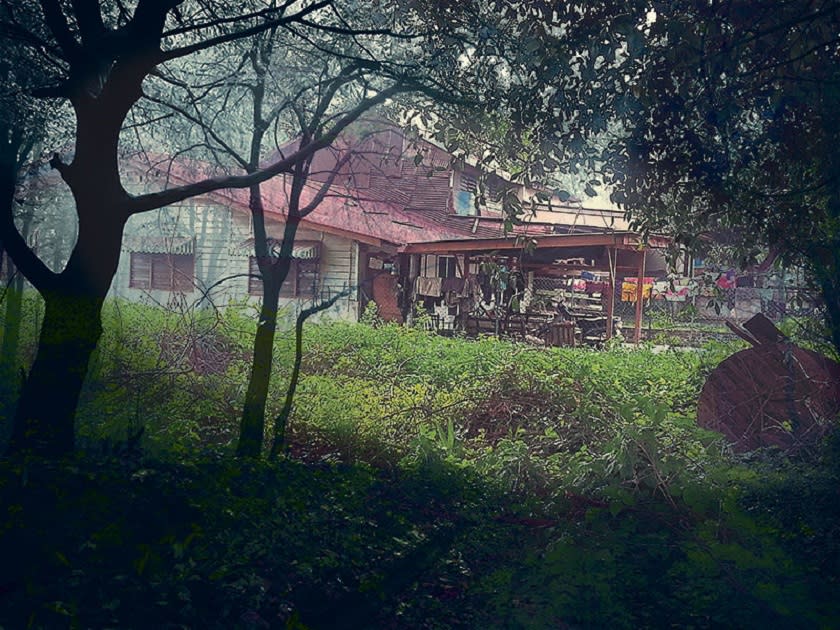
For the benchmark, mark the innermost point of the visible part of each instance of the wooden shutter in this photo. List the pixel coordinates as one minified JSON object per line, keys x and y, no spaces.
{"x":161,"y":272}
{"x":290,"y":286}
{"x":140,"y":272}
{"x":307,"y":274}
{"x":165,"y":272}
{"x":183,"y":272}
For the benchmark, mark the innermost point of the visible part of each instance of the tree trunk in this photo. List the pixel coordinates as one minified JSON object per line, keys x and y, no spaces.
{"x":282,"y":419}
{"x":44,"y":422}
{"x":45,"y":419}
{"x":14,"y":307}
{"x":11,"y":325}
{"x":252,"y":424}
{"x":827,"y":261}
{"x":830,"y":286}
{"x":9,"y":378}
{"x":273,"y":271}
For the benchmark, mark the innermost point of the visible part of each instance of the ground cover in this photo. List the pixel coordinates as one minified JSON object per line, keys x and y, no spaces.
{"x":429,"y":483}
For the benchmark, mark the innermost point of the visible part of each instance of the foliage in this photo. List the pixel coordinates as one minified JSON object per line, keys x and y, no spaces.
{"x":432,"y":482}
{"x":729,"y":133}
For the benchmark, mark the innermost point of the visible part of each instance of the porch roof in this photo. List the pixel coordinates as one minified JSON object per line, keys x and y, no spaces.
{"x":616,"y":240}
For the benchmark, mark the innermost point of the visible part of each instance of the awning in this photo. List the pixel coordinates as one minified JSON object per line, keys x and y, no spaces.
{"x":158,"y":244}
{"x":302,"y":250}
{"x":306,"y":252}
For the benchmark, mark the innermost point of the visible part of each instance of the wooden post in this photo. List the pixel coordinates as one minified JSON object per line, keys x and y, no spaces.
{"x":464,"y":306}
{"x":413,"y":272}
{"x":611,"y":254}
{"x":640,"y":291}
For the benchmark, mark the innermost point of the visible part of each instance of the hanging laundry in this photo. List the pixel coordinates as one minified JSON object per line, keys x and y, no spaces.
{"x":677,"y":294}
{"x":660,"y":288}
{"x":472,"y":288}
{"x":452,"y":284}
{"x":628,"y":289}
{"x":527,"y":297}
{"x":727,"y":280}
{"x":597,"y":287}
{"x":427,"y":286}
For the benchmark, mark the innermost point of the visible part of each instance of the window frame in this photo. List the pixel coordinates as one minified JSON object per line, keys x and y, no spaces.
{"x":162,"y":272}
{"x":294,"y":286}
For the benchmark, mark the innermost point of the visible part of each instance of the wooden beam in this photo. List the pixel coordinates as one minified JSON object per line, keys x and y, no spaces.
{"x":619,"y":240}
{"x":640,"y":291}
{"x":385,"y":246}
{"x":610,"y":293}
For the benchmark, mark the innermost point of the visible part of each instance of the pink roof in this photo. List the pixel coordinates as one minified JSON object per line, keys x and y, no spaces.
{"x":415,"y":209}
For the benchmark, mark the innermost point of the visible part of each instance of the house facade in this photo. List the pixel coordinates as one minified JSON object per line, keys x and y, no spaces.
{"x":403,"y":225}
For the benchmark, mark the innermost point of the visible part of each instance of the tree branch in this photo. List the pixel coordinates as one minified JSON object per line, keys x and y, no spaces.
{"x":152,"y":201}
{"x":325,"y":187}
{"x":89,"y":19}
{"x":349,"y":30}
{"x":216,"y":22}
{"x":282,"y":418}
{"x":41,"y":277}
{"x":205,"y":128}
{"x":57,"y":23}
{"x":176,"y":53}
{"x":18,"y":32}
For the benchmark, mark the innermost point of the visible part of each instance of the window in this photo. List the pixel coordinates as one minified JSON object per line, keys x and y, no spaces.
{"x":469,"y":183}
{"x":465,"y":195}
{"x":167,"y":272}
{"x":434,"y":266}
{"x":447,"y":266}
{"x":302,"y":280}
{"x":496,"y":188}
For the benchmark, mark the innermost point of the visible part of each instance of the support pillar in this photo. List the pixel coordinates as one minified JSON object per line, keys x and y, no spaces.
{"x":611,"y":260}
{"x":413,"y":272}
{"x":640,"y":291}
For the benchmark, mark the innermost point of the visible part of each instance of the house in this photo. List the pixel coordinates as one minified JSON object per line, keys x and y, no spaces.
{"x":404,"y":225}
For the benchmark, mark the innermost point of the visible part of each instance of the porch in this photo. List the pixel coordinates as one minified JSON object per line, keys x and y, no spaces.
{"x":556,"y":289}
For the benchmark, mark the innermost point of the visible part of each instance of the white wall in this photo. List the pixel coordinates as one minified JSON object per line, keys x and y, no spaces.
{"x":221,"y":253}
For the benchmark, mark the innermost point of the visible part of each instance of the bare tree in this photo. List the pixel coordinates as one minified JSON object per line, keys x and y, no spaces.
{"x":242,"y":102}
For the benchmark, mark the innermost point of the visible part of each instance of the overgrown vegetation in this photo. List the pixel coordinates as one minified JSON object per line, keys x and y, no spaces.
{"x":430,"y":483}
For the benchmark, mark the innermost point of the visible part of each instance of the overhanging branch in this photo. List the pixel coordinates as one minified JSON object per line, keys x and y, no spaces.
{"x":184,"y":51}
{"x":152,"y":201}
{"x":41,"y":277}
{"x":325,"y":187}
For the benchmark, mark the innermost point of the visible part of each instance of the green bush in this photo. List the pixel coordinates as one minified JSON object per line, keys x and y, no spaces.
{"x":433,"y":482}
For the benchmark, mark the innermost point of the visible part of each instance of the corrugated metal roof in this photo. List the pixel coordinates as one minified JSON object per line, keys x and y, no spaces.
{"x":392,"y":198}
{"x":302,"y":250}
{"x":158,"y":244}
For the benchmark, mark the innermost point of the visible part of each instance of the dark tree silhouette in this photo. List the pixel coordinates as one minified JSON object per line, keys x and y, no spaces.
{"x":732,"y":129}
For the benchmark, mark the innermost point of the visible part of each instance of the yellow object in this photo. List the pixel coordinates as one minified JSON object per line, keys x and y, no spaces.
{"x":628,"y":291}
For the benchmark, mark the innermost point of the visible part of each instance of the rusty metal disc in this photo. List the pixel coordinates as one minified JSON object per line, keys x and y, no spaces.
{"x":775,"y":394}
